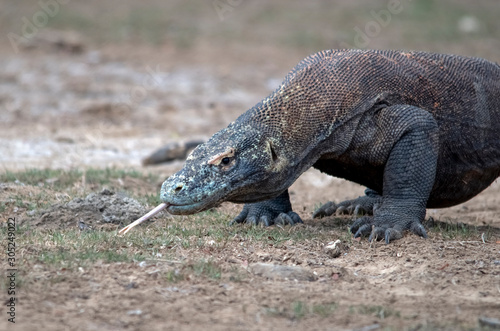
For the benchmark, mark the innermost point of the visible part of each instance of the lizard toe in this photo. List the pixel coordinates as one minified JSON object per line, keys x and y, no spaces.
{"x":264,"y":220}
{"x":252,"y":220}
{"x":239,"y":219}
{"x":295,"y":218}
{"x":392,"y":234}
{"x":378,"y":233}
{"x":386,"y":228}
{"x":265,"y":213}
{"x":282,"y":219}
{"x":360,"y":222}
{"x":326,"y":210}
{"x":418,"y":229}
{"x":357,"y":210}
{"x":341,"y":210}
{"x":363,"y":231}
{"x":290,"y":218}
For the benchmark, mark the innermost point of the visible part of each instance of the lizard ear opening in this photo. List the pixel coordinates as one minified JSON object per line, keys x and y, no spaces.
{"x":274,"y":156}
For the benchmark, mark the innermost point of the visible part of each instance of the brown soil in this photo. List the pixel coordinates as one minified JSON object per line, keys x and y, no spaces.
{"x":429,"y":284}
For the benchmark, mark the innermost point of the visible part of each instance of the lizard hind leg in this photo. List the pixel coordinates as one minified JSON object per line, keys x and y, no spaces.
{"x":363,"y":205}
{"x":409,"y":176}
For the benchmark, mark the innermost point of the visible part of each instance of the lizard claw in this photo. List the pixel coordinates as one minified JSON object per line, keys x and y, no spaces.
{"x":384,"y":230}
{"x":418,"y":229}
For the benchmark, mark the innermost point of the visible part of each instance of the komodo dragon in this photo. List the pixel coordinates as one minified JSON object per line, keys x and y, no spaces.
{"x":418,"y":129}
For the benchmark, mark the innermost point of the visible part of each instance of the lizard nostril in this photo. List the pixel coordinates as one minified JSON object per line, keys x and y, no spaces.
{"x":179,"y":188}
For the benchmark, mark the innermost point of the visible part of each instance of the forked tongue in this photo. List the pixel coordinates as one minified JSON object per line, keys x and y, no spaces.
{"x":152,"y":213}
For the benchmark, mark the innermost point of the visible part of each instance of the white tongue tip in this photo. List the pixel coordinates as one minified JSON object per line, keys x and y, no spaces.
{"x":152,"y":213}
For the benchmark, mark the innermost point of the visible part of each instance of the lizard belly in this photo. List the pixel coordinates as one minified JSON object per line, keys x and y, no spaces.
{"x":371,"y":177}
{"x":457,"y":182}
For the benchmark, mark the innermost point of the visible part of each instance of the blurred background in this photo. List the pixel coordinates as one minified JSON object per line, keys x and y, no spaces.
{"x":105,"y":83}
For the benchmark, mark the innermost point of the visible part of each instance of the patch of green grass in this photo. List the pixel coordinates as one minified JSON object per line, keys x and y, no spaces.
{"x":174,"y":276}
{"x":26,"y":201}
{"x":201,"y":268}
{"x":152,"y":199}
{"x":104,"y":176}
{"x":63,"y":179}
{"x":274,"y":235}
{"x":70,"y":258}
{"x":324,"y":310}
{"x":453,"y":230}
{"x":446,"y":326}
{"x":377,"y":311}
{"x":72,"y":248}
{"x":19,"y":281}
{"x":457,"y":230}
{"x":236,"y":275}
{"x":39,"y":177}
{"x":196,"y":230}
{"x":300,"y":309}
{"x":207,"y":268}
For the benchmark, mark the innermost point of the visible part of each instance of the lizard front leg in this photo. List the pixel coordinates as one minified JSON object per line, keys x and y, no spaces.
{"x":269,"y":212}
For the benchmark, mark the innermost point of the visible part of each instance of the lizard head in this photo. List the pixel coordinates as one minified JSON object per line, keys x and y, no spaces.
{"x":238,"y":164}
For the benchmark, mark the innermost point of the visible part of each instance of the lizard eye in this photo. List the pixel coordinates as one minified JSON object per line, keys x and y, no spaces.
{"x":222,"y":158}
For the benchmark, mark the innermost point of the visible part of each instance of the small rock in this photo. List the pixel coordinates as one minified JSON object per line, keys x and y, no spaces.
{"x":335,"y":248}
{"x":493,"y":323}
{"x":131,"y":285}
{"x":469,"y":24}
{"x":82,"y":226}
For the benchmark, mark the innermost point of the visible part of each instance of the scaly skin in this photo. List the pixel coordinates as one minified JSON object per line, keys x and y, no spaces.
{"x":418,"y":129}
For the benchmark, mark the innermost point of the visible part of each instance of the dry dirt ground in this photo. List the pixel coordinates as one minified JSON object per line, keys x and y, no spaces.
{"x":77,"y":104}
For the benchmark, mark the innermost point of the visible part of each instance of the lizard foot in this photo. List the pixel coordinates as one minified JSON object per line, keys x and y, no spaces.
{"x":362,"y":205}
{"x":269,"y":212}
{"x":381,"y":229}
{"x":266,"y":214}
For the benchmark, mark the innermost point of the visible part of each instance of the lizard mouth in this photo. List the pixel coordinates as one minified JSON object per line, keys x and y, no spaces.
{"x":187,"y":209}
